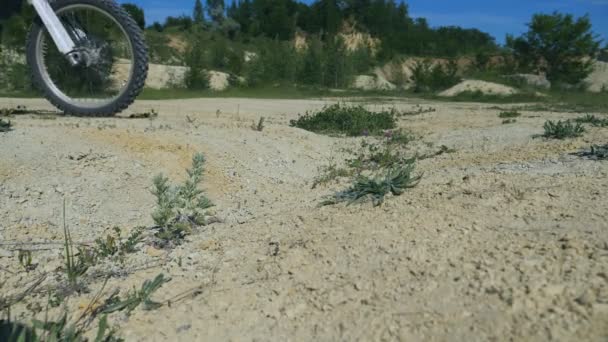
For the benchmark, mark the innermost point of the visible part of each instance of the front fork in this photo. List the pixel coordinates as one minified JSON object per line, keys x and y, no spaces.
{"x":55,"y":28}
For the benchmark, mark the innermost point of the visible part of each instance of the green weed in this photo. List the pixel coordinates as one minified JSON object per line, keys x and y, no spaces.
{"x":596,"y":152}
{"x":562,"y":129}
{"x":137,"y":297}
{"x":114,"y":246}
{"x":180,"y":208}
{"x":76,"y":264}
{"x":395,"y":181}
{"x":509,"y":114}
{"x":5,"y":126}
{"x":592,"y":120}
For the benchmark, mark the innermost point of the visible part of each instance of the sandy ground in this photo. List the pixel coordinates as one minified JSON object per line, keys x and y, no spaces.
{"x":504,"y":239}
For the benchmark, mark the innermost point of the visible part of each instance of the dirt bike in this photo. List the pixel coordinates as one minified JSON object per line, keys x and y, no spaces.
{"x":88,"y":57}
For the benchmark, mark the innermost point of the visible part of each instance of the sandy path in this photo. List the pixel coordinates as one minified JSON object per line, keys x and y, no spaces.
{"x":504,"y":239}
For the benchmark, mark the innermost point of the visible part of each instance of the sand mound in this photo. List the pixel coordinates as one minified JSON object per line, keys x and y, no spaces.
{"x":598,"y":78}
{"x":487,"y":88}
{"x":218,"y":80}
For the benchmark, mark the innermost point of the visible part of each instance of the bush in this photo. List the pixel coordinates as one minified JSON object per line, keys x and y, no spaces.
{"x":427,"y":77}
{"x":349,"y":120}
{"x":197,"y":76}
{"x":562,"y":129}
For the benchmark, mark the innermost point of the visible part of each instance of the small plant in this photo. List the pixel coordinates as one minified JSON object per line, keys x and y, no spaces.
{"x":25,"y":260}
{"x":596,"y":152}
{"x":593,"y":120}
{"x":417,"y":110}
{"x":562,"y":129}
{"x":144,"y":115}
{"x":59,"y":330}
{"x":398,"y":137}
{"x":395,"y":181}
{"x":509,"y":114}
{"x":260,"y":126}
{"x":349,"y":120}
{"x":508,"y":121}
{"x":114,"y":246}
{"x":5,"y":126}
{"x":137,"y":297}
{"x":76,"y":264}
{"x":180,"y":208}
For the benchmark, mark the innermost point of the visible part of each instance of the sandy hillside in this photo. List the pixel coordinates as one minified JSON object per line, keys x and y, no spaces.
{"x":504,"y":239}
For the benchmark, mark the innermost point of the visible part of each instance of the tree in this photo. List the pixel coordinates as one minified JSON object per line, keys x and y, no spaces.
{"x":198,"y":16}
{"x":215,"y":9}
{"x":197,"y":76}
{"x":137,"y":13}
{"x":558,"y":45}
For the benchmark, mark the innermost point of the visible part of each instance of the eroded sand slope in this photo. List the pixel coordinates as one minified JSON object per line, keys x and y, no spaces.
{"x":504,"y":239}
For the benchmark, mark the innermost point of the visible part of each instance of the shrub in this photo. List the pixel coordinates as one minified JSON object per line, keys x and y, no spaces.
{"x":349,"y":120}
{"x":428,"y":77}
{"x":562,"y":129}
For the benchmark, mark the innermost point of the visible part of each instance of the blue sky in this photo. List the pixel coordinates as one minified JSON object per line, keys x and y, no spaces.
{"x":498,"y":17}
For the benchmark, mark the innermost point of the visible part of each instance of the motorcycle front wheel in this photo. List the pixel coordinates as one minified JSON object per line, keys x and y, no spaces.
{"x":113,"y":59}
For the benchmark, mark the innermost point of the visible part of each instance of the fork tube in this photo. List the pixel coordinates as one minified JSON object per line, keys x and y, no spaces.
{"x":59,"y":34}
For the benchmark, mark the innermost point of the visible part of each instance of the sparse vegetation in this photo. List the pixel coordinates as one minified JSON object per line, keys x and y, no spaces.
{"x":592,"y":120}
{"x":596,"y":152}
{"x":180,"y":208}
{"x":137,"y":297}
{"x":114,"y":246}
{"x":509,"y":114}
{"x":260,"y":126}
{"x":144,"y":115}
{"x":5,"y":126}
{"x":394,"y":181}
{"x":508,"y":121}
{"x":76,"y":264}
{"x":562,"y":129}
{"x":25,"y":260}
{"x":349,"y":120}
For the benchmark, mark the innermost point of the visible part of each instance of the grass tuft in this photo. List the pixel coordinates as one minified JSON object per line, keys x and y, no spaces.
{"x":562,"y":129}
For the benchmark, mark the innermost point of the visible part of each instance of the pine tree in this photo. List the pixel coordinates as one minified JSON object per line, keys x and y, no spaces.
{"x":198,"y":14}
{"x":215,"y":9}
